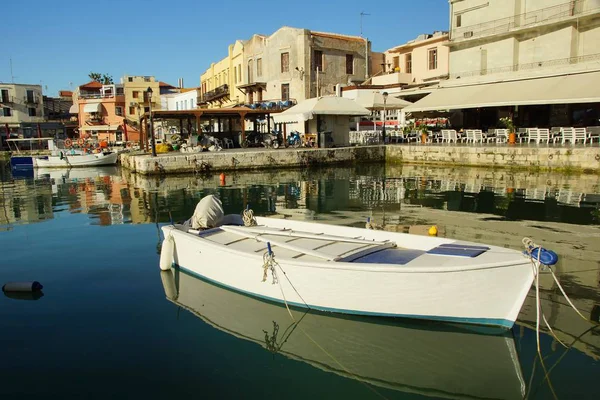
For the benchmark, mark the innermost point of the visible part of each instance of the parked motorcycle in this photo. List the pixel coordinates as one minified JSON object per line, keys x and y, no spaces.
{"x":253,"y":139}
{"x":273,"y":139}
{"x":294,"y":139}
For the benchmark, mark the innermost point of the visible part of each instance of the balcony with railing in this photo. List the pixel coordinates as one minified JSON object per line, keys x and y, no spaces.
{"x":549,"y":15}
{"x":215,"y":94}
{"x":531,"y":67}
{"x":271,"y":105}
{"x":98,"y":95}
{"x":391,"y":78}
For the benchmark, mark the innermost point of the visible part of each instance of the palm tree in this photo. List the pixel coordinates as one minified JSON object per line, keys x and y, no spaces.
{"x":107,"y":79}
{"x":95,"y":76}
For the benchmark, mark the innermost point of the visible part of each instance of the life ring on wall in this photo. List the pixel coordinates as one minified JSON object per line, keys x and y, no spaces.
{"x":68,"y":143}
{"x":80,"y":142}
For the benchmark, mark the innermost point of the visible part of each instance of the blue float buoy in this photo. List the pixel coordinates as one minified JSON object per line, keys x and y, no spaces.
{"x":546,"y":257}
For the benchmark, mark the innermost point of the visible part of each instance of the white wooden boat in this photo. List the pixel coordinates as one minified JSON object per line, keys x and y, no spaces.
{"x":358,"y":271}
{"x":58,"y":158}
{"x":67,"y":160}
{"x":430,"y":359}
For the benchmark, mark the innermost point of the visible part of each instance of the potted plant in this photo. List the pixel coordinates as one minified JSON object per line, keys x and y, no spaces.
{"x":507,"y":122}
{"x":424,"y":133}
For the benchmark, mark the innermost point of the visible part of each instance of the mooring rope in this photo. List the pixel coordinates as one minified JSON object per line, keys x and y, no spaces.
{"x":269,"y":263}
{"x":248,"y":217}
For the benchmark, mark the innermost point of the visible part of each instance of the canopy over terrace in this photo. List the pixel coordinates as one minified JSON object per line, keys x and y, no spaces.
{"x":566,"y":89}
{"x":326,"y":105}
{"x":197,"y":115}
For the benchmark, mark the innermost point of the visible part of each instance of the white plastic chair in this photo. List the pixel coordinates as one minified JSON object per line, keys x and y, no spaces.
{"x":445,"y":136}
{"x":469,"y":136}
{"x":579,"y":134}
{"x":501,"y":135}
{"x":532,"y":135}
{"x":567,"y":134}
{"x":477,"y":136}
{"x":228,"y":143}
{"x":543,"y":135}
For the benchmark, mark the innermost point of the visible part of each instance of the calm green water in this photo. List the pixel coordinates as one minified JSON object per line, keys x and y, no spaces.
{"x":109,"y":325}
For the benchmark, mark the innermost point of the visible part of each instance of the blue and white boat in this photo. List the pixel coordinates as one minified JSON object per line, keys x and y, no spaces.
{"x":357,"y":271}
{"x":58,"y":158}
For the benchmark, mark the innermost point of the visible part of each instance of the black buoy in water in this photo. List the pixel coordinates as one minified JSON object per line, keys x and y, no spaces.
{"x":22,"y":287}
{"x":23,"y":290}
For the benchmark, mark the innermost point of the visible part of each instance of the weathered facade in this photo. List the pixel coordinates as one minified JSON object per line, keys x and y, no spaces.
{"x":101,"y":112}
{"x":20,"y":103}
{"x":424,"y":59}
{"x":290,"y":65}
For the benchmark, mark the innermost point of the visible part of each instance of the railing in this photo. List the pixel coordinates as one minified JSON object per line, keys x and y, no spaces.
{"x":215,"y":94}
{"x":99,"y":96}
{"x":274,"y":104}
{"x":527,"y":66}
{"x":545,"y":15}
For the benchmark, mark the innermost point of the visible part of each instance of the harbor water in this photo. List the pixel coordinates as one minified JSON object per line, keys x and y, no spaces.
{"x":109,"y":324}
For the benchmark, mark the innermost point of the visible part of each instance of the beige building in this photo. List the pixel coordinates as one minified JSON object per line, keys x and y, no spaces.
{"x":422,"y":60}
{"x":535,"y":61}
{"x":499,"y":38}
{"x":20,"y":104}
{"x":218,"y":83}
{"x":136,"y":102}
{"x":286,"y":67}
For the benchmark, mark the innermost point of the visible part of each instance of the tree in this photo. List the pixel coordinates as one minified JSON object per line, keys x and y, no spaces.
{"x":107,"y":79}
{"x":95,"y":76}
{"x":104,"y":79}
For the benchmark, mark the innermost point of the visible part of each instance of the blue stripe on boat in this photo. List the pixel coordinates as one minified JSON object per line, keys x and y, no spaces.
{"x":504,"y":323}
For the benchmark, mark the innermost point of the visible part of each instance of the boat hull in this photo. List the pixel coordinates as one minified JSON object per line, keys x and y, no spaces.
{"x":70,"y":161}
{"x":485,"y":296}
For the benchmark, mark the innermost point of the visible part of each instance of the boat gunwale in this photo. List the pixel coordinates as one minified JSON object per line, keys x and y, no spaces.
{"x":351,"y":266}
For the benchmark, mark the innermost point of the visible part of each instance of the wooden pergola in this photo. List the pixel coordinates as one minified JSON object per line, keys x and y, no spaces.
{"x":195,"y":116}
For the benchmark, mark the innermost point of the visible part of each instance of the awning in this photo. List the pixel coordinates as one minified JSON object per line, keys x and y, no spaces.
{"x":104,"y":128}
{"x":566,"y":89}
{"x":327,"y":105}
{"x":74,"y":109}
{"x":92,"y":108}
{"x":374,"y":100}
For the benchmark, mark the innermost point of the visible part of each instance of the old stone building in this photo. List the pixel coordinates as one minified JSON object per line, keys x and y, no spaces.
{"x":285,"y":67}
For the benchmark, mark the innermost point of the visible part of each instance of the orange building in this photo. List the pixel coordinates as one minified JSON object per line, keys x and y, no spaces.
{"x":101,"y":110}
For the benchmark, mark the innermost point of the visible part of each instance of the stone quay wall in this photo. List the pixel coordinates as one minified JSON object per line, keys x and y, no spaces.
{"x":576,"y":159}
{"x":230,"y":160}
{"x":560,"y":159}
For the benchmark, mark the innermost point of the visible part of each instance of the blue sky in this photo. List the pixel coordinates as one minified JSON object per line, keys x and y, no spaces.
{"x":61,"y":42}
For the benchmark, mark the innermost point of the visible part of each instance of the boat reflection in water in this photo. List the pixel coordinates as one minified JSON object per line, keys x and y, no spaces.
{"x":432,"y":359}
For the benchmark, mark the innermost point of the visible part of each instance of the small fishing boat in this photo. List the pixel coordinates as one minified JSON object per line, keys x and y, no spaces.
{"x":357,"y":271}
{"x":58,"y":158}
{"x":414,"y":357}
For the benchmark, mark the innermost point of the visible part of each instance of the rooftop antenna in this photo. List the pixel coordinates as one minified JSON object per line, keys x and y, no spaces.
{"x":362,"y":14}
{"x":12,"y":77}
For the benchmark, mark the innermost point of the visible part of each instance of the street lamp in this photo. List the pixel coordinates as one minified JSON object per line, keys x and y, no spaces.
{"x":385,"y":95}
{"x":152,"y":143}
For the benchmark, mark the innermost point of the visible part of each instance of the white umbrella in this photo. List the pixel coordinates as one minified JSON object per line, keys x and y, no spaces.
{"x":327,"y":105}
{"x":374,"y":101}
